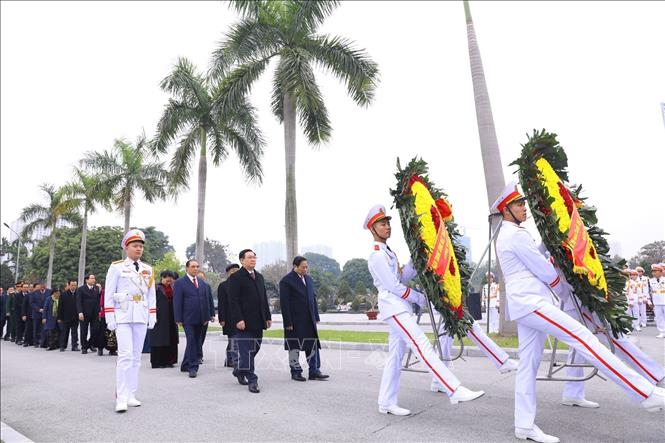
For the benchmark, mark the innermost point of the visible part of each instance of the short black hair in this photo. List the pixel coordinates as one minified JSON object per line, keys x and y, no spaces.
{"x":190,"y":261}
{"x":166,"y":273}
{"x":87,"y":276}
{"x":232,"y":266}
{"x":243,"y":252}
{"x":298,"y":259}
{"x":54,"y":290}
{"x":72,"y":280}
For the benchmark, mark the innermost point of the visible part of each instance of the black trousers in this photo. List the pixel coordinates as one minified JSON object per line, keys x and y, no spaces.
{"x":193,"y":348}
{"x":66,"y":328}
{"x":248,"y":344}
{"x":231,"y":351}
{"x":93,"y":323}
{"x":204,"y":332}
{"x":27,"y":332}
{"x":38,"y":333}
{"x":53,"y":337}
{"x":20,"y":327}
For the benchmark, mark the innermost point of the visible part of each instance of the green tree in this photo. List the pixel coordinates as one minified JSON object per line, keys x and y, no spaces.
{"x":58,"y":208}
{"x":273,"y":273}
{"x":193,"y":113}
{"x":156,"y":245}
{"x":322,"y":278}
{"x":168,"y":263}
{"x":355,"y":304}
{"x":354,"y":271}
{"x":649,"y":254}
{"x":360,"y":288}
{"x":88,"y":193}
{"x":325,"y":294}
{"x":128,"y":173}
{"x":6,"y":276}
{"x":216,"y":255}
{"x":322,"y":263}
{"x":10,"y":250}
{"x":288,"y":31}
{"x":344,"y":293}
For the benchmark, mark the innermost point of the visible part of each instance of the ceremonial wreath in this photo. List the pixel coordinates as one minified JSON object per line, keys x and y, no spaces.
{"x":433,"y":240}
{"x":568,"y":229}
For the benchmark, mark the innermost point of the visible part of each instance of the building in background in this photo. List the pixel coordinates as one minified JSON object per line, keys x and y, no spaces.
{"x":318,"y":249}
{"x":268,"y":253}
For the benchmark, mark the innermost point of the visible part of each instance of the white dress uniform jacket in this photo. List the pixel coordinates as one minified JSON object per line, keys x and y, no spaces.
{"x":494,"y":295}
{"x":657,"y":289}
{"x":530,"y":278}
{"x":394,"y":296}
{"x":130,"y":294}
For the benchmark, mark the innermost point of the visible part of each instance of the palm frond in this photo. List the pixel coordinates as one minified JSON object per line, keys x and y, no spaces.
{"x":32,"y":226}
{"x":235,"y":86}
{"x":186,"y":84}
{"x":246,"y":41}
{"x":308,"y":15}
{"x":249,"y":155}
{"x":34,"y":211}
{"x":352,"y":66}
{"x":247,"y":8}
{"x":182,"y":159}
{"x":175,"y":118}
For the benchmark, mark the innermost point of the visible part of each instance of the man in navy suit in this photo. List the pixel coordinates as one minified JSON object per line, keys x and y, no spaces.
{"x":300,"y":314}
{"x":211,"y":305}
{"x":37,"y":300}
{"x":250,"y":313}
{"x":191,"y":311}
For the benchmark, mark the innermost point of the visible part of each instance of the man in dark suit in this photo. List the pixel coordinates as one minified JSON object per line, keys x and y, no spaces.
{"x":300,"y":314}
{"x":211,"y":304}
{"x":228,"y":328}
{"x":68,"y":318}
{"x":26,"y":316}
{"x":87,"y":305}
{"x":37,"y":300}
{"x":250,"y":313}
{"x":19,"y":298}
{"x":191,"y":310}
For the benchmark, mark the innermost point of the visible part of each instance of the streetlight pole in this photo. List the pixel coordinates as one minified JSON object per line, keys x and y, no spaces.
{"x":18,"y":252}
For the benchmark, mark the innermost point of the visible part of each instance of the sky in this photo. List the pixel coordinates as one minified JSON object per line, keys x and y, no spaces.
{"x":77,"y":75}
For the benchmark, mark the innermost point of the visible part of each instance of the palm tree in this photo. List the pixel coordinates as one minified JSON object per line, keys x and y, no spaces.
{"x":489,"y":146}
{"x":87,"y":192}
{"x":287,"y":31}
{"x":58,"y":208}
{"x":193,"y":114}
{"x":127,"y":170}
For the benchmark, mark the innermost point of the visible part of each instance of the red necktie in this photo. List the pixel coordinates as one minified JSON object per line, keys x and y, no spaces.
{"x":196,"y":284}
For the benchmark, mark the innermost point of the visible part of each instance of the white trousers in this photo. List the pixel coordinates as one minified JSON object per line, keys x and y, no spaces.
{"x":532,"y":330}
{"x":130,"y":338}
{"x":659,"y":313}
{"x":634,"y":311}
{"x":643,"y":314}
{"x":477,"y":335}
{"x":494,"y":320}
{"x":623,"y":348}
{"x":404,"y":331}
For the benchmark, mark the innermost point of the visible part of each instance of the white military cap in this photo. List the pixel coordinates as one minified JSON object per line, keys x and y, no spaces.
{"x":508,"y":195}
{"x":632,"y":272}
{"x":490,"y":274}
{"x":639,"y":269}
{"x":378,"y":212}
{"x":131,"y":236}
{"x":656,"y":267}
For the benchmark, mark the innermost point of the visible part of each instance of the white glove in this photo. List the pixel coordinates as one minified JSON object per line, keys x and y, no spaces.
{"x":111,"y":326}
{"x":417,"y":297}
{"x":151,"y":323}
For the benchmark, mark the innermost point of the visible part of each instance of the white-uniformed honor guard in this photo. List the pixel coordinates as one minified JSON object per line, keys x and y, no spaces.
{"x":531,"y":282}
{"x":491,"y":299}
{"x":395,"y":309}
{"x":657,"y":290}
{"x":633,"y":295}
{"x":130,"y":306}
{"x":643,"y":292}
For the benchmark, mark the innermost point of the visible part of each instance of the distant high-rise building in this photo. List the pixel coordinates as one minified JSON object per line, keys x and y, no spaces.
{"x":268,"y":253}
{"x":318,"y":249}
{"x":466,"y":243}
{"x":615,"y":248}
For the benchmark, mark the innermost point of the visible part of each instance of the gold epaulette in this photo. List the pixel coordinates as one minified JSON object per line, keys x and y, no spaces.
{"x":116,"y":262}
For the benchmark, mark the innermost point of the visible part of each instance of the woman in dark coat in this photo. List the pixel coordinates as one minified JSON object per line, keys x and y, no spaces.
{"x":300,"y":315}
{"x":164,"y":336}
{"x":50,"y":319}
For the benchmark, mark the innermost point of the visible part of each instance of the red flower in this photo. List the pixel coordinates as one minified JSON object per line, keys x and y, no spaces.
{"x":444,"y":209}
{"x":592,"y":252}
{"x":435,"y":217}
{"x":568,"y":200}
{"x":459,"y":312}
{"x":451,"y":268}
{"x":544,"y":209}
{"x":416,"y":178}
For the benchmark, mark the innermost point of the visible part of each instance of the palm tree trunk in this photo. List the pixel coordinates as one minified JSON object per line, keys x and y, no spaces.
{"x":84,"y":244}
{"x":203,"y":174}
{"x":51,"y":255}
{"x":291,"y":210}
{"x":127,"y":209}
{"x":489,"y":146}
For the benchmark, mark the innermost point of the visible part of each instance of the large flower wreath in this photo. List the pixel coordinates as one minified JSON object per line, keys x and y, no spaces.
{"x":568,"y":229}
{"x":432,"y":237}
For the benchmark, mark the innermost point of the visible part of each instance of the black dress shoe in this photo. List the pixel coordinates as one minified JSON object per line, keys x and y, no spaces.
{"x":93,"y":349}
{"x":100,"y":351}
{"x":253,"y":388}
{"x":116,"y":353}
{"x":25,"y":345}
{"x":318,"y":376}
{"x":192,"y":373}
{"x":85,"y":351}
{"x":76,"y":349}
{"x":62,"y":349}
{"x":298,"y":377}
{"x":200,"y":361}
{"x":242,"y":380}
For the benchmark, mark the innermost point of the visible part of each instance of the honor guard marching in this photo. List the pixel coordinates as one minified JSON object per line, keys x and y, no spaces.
{"x":129,"y":306}
{"x":395,"y":300}
{"x":633,"y":294}
{"x":657,"y":290}
{"x":643,"y":299}
{"x":491,"y":299}
{"x":532,"y":289}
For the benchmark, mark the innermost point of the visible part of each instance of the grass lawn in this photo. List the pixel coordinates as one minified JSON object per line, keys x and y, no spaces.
{"x":382,"y":337}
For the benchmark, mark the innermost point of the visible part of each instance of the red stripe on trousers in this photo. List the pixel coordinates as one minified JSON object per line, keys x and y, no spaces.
{"x":483,"y":345}
{"x":616,"y":343}
{"x":421,"y":354}
{"x":592,"y":352}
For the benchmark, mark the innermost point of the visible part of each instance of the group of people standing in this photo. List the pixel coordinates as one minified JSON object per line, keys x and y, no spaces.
{"x":35,"y":315}
{"x":642,"y":292}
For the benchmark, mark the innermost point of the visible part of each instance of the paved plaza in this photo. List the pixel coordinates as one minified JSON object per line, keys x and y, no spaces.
{"x":54,"y":396}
